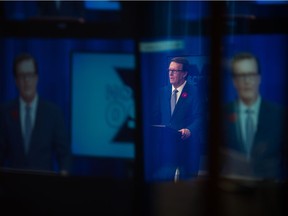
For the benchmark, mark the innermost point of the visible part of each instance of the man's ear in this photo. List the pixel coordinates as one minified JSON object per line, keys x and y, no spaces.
{"x":185,"y":75}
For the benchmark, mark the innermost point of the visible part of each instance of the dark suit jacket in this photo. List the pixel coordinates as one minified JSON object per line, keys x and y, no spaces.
{"x":48,"y":139}
{"x":268,"y":142}
{"x":188,"y":113}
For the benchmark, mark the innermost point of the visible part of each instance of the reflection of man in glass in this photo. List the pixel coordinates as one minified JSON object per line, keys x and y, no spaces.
{"x":253,"y":126}
{"x":179,"y":109}
{"x":32,"y":131}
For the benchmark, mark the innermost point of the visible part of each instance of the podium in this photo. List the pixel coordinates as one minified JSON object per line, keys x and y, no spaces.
{"x":170,"y":154}
{"x":167,"y":131}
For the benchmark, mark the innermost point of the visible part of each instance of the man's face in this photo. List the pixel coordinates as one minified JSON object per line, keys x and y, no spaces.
{"x":246,"y":80}
{"x":176,"y":75}
{"x":26,"y":80}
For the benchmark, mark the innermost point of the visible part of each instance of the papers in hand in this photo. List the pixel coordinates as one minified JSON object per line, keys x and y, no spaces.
{"x":167,"y":129}
{"x":161,"y":126}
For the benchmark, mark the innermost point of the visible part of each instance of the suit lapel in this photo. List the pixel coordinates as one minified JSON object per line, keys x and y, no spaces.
{"x":16,"y":124}
{"x":234,"y":132}
{"x":181,"y":100}
{"x":36,"y":129}
{"x":238,"y":133}
{"x":261,"y":129}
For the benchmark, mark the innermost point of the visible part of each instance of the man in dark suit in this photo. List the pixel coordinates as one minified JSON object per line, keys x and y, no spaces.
{"x":253,"y":129}
{"x":179,"y":112}
{"x":32,"y":131}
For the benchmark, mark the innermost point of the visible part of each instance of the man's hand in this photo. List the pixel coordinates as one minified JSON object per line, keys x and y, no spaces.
{"x":185,"y":133}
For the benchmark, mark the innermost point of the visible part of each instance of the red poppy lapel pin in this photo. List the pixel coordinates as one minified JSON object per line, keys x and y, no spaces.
{"x":232,"y":117}
{"x":184,"y":95}
{"x":15,"y":114}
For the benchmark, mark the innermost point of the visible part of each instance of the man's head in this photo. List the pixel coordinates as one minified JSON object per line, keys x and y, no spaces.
{"x":246,"y":77}
{"x":178,"y":71}
{"x":26,"y":76}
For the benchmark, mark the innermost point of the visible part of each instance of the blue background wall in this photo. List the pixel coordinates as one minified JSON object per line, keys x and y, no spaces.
{"x":272,"y":51}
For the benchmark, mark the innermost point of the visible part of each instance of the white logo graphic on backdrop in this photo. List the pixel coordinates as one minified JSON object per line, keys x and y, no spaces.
{"x":120,"y":106}
{"x":199,"y":69}
{"x":103,"y":118}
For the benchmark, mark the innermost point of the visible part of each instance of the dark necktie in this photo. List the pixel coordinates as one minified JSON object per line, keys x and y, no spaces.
{"x":250,"y":130}
{"x":28,"y":128}
{"x":173,"y":100}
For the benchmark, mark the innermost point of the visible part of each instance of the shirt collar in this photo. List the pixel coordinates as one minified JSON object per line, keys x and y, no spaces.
{"x":32,"y":104}
{"x":254,"y":107}
{"x":180,"y":88}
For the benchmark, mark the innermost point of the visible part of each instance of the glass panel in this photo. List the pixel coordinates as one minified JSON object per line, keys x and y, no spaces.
{"x":175,"y":145}
{"x":254,"y":149}
{"x":92,"y":83}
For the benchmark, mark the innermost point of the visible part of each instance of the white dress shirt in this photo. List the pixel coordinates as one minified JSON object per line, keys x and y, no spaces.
{"x":242,"y":114}
{"x":180,"y":88}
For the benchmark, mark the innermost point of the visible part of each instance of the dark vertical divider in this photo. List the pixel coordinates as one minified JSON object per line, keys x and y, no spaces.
{"x":216,"y":28}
